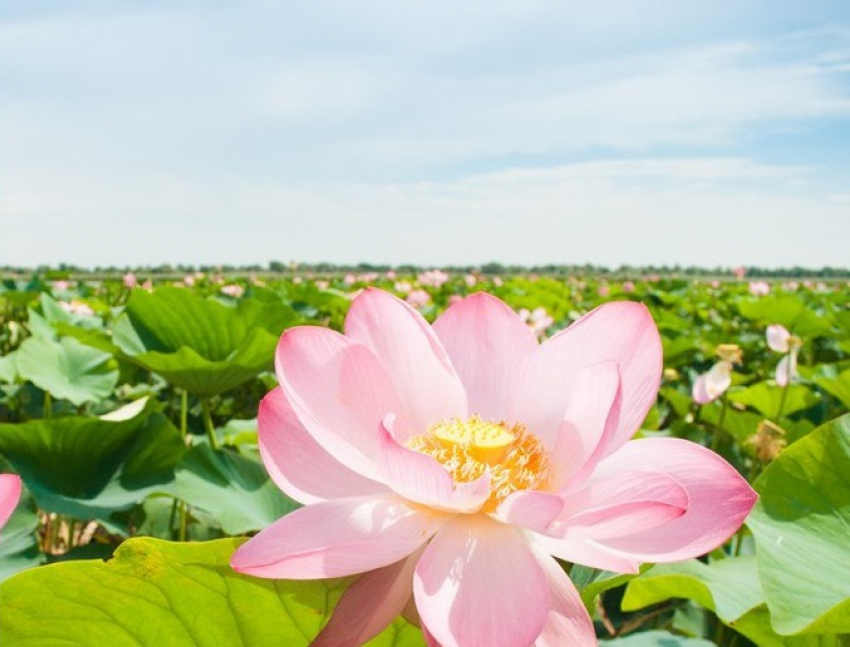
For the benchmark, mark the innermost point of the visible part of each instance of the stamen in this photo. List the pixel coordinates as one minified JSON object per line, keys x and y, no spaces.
{"x":515,"y":458}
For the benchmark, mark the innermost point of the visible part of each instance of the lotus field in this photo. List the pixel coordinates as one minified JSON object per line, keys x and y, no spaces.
{"x":432,"y":458}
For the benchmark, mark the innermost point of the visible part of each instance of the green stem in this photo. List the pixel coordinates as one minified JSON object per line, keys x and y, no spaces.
{"x":718,"y":430}
{"x":48,"y":406}
{"x":784,"y":397}
{"x":184,"y":426}
{"x":184,"y":413}
{"x":208,"y":423}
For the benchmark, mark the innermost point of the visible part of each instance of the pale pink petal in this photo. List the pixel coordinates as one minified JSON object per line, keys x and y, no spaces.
{"x":777,"y":338}
{"x":297,"y":463}
{"x":719,"y":499}
{"x":369,"y":605}
{"x":478,"y":583}
{"x":488,"y":343}
{"x":786,"y":369}
{"x":590,"y":423}
{"x":568,"y":622}
{"x":620,"y":504}
{"x":621,"y":332}
{"x":588,"y":553}
{"x":416,"y":362}
{"x":718,"y":379}
{"x":339,"y":391}
{"x":10,"y":493}
{"x":337,"y":538}
{"x":699,"y":392}
{"x":530,"y":509}
{"x":420,"y":478}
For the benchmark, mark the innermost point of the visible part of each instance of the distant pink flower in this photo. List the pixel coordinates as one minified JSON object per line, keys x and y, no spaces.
{"x":628,"y":287}
{"x":603,"y":290}
{"x":538,"y":320}
{"x":148,"y":285}
{"x":390,"y":275}
{"x":448,"y":463}
{"x":130,"y":280}
{"x":61,"y":286}
{"x":349,"y":279}
{"x":791,"y":286}
{"x":497,"y":281}
{"x":189,"y":280}
{"x":715,"y":284}
{"x":782,"y":341}
{"x":712,"y":384}
{"x":322,"y":285}
{"x":455,"y":298}
{"x":433,"y":278}
{"x":368,"y":277}
{"x":77,"y":307}
{"x":233,"y":290}
{"x":403,"y":287}
{"x":759,"y":288}
{"x":739,"y":272}
{"x":10,"y":493}
{"x":470,"y":280}
{"x":418,"y":298}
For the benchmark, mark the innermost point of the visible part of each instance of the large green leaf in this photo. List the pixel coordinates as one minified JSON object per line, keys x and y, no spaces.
{"x":237,"y":491}
{"x":201,"y":345}
{"x":838,"y":386}
{"x":767,"y":398}
{"x":157,"y":593}
{"x":787,"y":310}
{"x":801,"y":526}
{"x":18,"y":544}
{"x":90,"y":467}
{"x":67,"y":369}
{"x":729,"y":587}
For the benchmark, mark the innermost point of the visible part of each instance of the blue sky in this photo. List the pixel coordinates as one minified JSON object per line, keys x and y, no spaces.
{"x":432,"y":132}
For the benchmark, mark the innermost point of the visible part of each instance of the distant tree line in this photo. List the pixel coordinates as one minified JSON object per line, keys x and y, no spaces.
{"x":493,"y":269}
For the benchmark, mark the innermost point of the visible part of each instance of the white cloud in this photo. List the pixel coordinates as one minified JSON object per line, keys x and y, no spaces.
{"x":693,"y":211}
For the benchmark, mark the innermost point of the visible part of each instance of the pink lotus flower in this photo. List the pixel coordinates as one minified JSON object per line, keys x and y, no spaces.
{"x":233,"y":290}
{"x":77,"y":307}
{"x":628,"y":287}
{"x":130,"y":280}
{"x":712,"y":384}
{"x":538,"y":320}
{"x":419,"y":298}
{"x":759,"y":288}
{"x":433,"y":278}
{"x":739,"y":272}
{"x":603,"y":291}
{"x":10,"y":493}
{"x":448,"y":463}
{"x":782,"y":341}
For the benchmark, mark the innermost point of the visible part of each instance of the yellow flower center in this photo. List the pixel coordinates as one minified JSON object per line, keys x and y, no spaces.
{"x":516,"y":459}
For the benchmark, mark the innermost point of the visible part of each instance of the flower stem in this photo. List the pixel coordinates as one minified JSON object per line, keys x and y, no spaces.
{"x":48,"y":406}
{"x":718,"y":430}
{"x":782,"y":400}
{"x":208,"y":423}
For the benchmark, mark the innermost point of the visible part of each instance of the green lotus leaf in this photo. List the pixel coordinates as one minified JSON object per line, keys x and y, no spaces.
{"x":201,"y":345}
{"x":155,"y":593}
{"x":768,"y":398}
{"x":90,"y":467}
{"x":729,"y":587}
{"x":235,"y":490}
{"x":67,"y":369}
{"x":789,"y":311}
{"x":800,"y":525}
